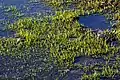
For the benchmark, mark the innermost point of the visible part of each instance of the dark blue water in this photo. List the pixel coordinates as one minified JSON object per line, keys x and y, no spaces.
{"x":11,"y":67}
{"x":95,"y":21}
{"x":22,"y":8}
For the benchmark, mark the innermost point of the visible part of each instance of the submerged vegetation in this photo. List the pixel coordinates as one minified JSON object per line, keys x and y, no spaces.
{"x":64,"y":39}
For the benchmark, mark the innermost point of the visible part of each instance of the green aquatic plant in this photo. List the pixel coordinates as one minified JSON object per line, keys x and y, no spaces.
{"x":8,"y":47}
{"x":109,"y":71}
{"x":94,"y":76}
{"x":11,"y":9}
{"x":88,"y":7}
{"x":62,"y":37}
{"x":117,"y":31}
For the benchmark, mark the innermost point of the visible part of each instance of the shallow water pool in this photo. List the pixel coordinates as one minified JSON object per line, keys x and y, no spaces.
{"x":95,"y":21}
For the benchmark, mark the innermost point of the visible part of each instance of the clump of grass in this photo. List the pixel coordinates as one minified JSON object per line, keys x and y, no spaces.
{"x":62,"y":37}
{"x":109,"y":72}
{"x":94,"y":76}
{"x":118,"y":30}
{"x":11,"y":47}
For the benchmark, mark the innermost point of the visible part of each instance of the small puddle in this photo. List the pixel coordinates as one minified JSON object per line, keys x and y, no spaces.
{"x":95,"y":21}
{"x":98,"y":23}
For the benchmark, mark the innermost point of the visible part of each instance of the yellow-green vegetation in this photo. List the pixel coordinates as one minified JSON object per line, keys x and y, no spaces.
{"x":95,"y":5}
{"x":107,"y":72}
{"x":109,"y":8}
{"x":94,"y":76}
{"x":62,"y":35}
